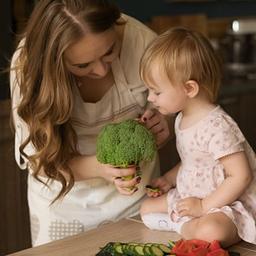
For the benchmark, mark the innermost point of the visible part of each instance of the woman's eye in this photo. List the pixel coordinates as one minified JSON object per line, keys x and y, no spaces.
{"x":109,"y":52}
{"x":83,"y":65}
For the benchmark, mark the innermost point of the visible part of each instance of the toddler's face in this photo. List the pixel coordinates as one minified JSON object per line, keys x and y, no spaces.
{"x":93,"y":54}
{"x":167,"y":97}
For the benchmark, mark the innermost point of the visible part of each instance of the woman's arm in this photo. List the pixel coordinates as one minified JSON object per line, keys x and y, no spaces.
{"x":238,"y":177}
{"x":87,"y":167}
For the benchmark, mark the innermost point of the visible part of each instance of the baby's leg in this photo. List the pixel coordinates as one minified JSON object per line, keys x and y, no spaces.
{"x":153,"y":205}
{"x":214,"y":226}
{"x":154,"y":214}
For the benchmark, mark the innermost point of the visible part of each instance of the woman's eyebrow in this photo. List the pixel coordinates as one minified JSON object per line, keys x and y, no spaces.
{"x":106,"y":53}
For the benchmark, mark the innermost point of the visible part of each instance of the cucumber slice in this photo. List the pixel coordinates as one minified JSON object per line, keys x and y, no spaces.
{"x":139,"y":250}
{"x":164,"y":248}
{"x":130,"y":248}
{"x":124,"y":248}
{"x":156,"y":251}
{"x":171,"y":244}
{"x":152,"y":189}
{"x":118,"y":248}
{"x":147,"y":251}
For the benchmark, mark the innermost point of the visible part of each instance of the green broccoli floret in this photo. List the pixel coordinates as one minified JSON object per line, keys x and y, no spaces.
{"x":125,"y":143}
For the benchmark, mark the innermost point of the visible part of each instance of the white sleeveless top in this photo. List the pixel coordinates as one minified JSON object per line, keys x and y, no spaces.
{"x":93,"y":201}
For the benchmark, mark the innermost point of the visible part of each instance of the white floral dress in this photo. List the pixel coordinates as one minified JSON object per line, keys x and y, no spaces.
{"x":200,"y":146}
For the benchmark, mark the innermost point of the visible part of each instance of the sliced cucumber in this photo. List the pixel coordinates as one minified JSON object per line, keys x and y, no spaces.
{"x":130,"y":248}
{"x":171,"y":244}
{"x":136,"y":249}
{"x":164,"y":248}
{"x":152,"y":189}
{"x":139,"y":249}
{"x":156,"y":251}
{"x":118,"y":248}
{"x":147,"y":251}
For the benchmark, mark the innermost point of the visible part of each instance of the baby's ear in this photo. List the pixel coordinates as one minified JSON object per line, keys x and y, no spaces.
{"x":192,"y":88}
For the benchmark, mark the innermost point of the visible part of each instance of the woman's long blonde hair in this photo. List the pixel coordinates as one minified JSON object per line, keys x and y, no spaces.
{"x":46,"y":85}
{"x":184,"y":55}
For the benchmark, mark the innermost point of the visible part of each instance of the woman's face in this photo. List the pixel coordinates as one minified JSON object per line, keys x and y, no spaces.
{"x":92,"y":55}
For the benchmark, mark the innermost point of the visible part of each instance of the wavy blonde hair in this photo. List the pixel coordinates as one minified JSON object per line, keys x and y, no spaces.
{"x":46,"y":84}
{"x":184,"y":55}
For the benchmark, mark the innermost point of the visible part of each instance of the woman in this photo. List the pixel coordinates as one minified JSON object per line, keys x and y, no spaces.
{"x":76,"y":69}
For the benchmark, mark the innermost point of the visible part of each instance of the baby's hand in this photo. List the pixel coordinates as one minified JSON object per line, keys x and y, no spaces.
{"x":158,"y":187}
{"x":190,"y":206}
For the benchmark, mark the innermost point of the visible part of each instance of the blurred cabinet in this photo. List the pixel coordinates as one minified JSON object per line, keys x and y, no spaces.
{"x":5,"y":45}
{"x":21,"y":11}
{"x":14,"y":217}
{"x":196,"y":22}
{"x":242,"y":108}
{"x":14,"y":220}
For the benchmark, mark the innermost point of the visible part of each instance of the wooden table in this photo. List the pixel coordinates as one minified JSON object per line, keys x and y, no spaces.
{"x":127,"y":230}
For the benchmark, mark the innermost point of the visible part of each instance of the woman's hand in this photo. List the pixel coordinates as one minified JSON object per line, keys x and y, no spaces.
{"x":157,"y":124}
{"x":161,"y":185}
{"x":117,"y":176}
{"x":190,"y":206}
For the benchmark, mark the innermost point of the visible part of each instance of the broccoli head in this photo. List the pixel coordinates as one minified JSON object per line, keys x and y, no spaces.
{"x":125,"y":143}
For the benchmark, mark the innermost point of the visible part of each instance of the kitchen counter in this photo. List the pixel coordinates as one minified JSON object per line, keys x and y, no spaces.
{"x":127,"y":230}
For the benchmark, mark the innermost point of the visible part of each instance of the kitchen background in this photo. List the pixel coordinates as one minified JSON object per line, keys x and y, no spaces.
{"x":212,"y":17}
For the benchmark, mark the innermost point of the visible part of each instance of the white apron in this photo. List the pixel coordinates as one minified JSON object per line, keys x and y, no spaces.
{"x":93,"y":201}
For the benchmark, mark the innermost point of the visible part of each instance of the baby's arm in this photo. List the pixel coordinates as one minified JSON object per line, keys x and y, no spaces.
{"x":238,"y":176}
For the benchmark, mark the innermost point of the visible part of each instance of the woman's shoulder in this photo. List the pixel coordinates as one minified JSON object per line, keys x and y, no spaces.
{"x":136,"y":37}
{"x":137,"y":26}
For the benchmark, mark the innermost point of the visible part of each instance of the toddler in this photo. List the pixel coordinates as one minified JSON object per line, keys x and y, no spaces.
{"x":211,"y":193}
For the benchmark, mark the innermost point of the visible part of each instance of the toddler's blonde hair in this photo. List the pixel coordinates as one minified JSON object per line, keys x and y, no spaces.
{"x":184,"y":55}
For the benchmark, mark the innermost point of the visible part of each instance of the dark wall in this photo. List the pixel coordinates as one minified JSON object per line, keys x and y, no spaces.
{"x":145,"y":9}
{"x":5,"y":45}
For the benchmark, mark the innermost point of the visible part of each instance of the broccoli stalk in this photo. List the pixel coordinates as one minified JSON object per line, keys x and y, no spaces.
{"x":124,"y":144}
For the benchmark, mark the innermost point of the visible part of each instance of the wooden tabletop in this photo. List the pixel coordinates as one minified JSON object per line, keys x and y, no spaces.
{"x":127,"y":230}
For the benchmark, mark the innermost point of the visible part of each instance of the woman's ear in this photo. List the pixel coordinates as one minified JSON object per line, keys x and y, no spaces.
{"x":191,"y":88}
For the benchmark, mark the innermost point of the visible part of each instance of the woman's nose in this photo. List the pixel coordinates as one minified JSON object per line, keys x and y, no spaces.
{"x":100,"y":68}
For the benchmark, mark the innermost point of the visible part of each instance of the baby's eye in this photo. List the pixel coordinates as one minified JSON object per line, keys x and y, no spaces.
{"x":157,"y":93}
